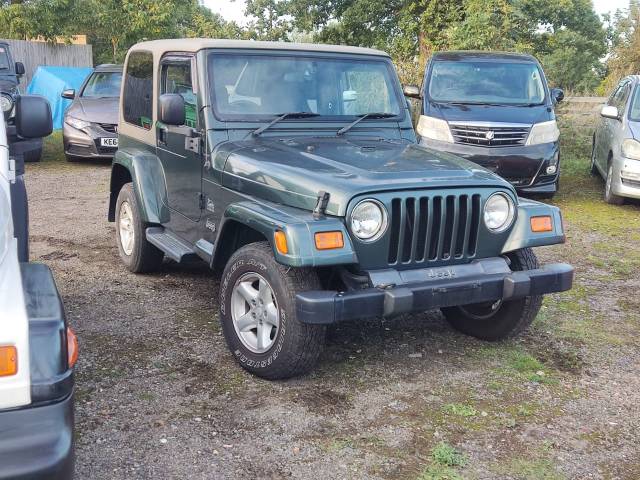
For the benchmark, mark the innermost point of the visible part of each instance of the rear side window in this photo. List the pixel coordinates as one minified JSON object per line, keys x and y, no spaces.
{"x":138,"y":90}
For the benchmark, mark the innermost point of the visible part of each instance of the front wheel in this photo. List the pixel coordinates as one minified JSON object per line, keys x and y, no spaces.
{"x":501,"y":319}
{"x":258,"y":314}
{"x":136,"y":252}
{"x":609,"y":196}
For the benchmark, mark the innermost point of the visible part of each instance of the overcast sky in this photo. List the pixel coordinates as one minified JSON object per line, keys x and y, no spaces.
{"x":234,"y":10}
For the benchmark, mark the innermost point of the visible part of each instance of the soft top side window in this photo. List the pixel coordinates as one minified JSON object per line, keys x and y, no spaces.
{"x":138,"y":90}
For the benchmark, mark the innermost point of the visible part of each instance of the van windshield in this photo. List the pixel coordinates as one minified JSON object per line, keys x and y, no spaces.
{"x":486,"y":82}
{"x":258,"y":87}
{"x":103,"y":84}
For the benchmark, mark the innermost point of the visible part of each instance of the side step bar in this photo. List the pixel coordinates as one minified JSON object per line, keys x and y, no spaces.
{"x":173,"y":247}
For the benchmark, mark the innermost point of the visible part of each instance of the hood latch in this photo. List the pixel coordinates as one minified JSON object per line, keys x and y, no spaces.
{"x":321,"y":203}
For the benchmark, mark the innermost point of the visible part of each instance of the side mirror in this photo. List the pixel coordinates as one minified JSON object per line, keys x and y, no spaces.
{"x":171,"y":109}
{"x":411,"y":91}
{"x":609,"y":111}
{"x":20,"y":68}
{"x":33,"y":116}
{"x":557,"y":94}
{"x":69,"y":93}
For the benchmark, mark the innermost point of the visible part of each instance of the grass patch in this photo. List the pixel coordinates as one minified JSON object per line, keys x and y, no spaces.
{"x":460,"y":410}
{"x":52,"y":148}
{"x":444,"y":459}
{"x":524,"y":469}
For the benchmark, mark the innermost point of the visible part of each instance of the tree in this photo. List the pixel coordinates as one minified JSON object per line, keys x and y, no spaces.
{"x":625,"y":52}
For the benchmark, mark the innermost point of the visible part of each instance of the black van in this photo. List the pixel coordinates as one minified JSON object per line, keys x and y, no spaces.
{"x":494,"y":109}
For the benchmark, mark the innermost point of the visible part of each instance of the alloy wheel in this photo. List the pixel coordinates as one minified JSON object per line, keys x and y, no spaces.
{"x":254,"y":312}
{"x":125,"y":224}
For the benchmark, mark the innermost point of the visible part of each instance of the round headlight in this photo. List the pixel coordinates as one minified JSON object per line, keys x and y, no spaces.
{"x":499,"y":212}
{"x":368,"y":220}
{"x":6,"y":103}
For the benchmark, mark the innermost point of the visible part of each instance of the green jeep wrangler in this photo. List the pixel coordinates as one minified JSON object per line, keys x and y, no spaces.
{"x":294,"y":170}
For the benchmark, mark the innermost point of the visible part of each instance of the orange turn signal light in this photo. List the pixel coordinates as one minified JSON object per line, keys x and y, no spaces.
{"x":281,"y":242}
{"x":329,"y":240}
{"x":541,"y":224}
{"x":72,"y":347}
{"x":8,"y":361}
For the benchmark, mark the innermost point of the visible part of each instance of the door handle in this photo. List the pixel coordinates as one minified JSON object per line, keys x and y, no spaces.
{"x":162,"y":134}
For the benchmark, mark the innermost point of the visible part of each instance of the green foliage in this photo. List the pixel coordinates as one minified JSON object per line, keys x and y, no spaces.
{"x":567,"y":36}
{"x":625,"y":54}
{"x":447,"y":456}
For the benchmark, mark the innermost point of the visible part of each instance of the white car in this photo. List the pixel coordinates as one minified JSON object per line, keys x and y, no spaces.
{"x":37,"y":349}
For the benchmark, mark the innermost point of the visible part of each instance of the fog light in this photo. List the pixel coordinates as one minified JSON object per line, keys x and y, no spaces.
{"x":551,"y":170}
{"x":630,"y":175}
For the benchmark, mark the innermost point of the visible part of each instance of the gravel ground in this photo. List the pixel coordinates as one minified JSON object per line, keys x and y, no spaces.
{"x":159,"y":396}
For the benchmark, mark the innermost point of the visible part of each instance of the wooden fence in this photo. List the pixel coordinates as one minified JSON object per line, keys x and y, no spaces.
{"x":35,"y":54}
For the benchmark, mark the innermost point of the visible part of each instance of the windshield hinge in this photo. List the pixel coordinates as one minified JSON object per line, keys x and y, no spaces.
{"x":201,"y":201}
{"x":12,"y":170}
{"x":321,"y":203}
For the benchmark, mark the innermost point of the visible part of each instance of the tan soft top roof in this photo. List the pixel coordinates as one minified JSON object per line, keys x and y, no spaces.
{"x":195,"y":44}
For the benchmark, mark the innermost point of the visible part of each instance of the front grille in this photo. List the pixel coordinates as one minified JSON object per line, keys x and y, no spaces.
{"x":489,"y":135}
{"x":109,"y":127}
{"x":433,"y":228}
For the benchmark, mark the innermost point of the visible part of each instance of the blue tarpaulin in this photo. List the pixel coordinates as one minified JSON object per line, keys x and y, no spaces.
{"x":51,"y":81}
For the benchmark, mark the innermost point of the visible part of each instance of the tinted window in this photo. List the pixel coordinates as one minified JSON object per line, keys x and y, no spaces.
{"x":481,"y":82}
{"x":176,"y":78}
{"x":250,"y":86}
{"x":103,"y":84}
{"x":138,"y":90}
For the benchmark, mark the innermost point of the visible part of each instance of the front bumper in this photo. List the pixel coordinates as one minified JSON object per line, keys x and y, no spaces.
{"x":85,"y":143}
{"x":626,"y":178}
{"x":37,"y":442}
{"x":397,"y":292}
{"x":523,"y":166}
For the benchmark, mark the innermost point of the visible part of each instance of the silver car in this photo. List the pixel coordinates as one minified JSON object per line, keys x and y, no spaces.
{"x":616,"y":142}
{"x":91,"y":122}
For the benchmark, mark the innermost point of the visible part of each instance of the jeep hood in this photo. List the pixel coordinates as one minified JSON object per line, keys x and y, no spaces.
{"x":292,"y":171}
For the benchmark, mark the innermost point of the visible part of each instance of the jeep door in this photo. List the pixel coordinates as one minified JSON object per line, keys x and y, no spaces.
{"x":178,"y":147}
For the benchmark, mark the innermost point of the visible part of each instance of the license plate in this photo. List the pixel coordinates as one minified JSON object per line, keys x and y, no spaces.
{"x":109,"y":142}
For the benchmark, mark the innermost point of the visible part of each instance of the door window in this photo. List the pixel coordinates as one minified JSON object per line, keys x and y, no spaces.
{"x":138,"y":90}
{"x":619,"y":96}
{"x":177,"y":78}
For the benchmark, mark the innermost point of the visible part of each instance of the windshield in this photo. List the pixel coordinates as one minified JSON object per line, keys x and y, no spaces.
{"x":257,"y":87}
{"x":634,"y":111}
{"x":504,"y":83}
{"x":103,"y":84}
{"x":4,"y":59}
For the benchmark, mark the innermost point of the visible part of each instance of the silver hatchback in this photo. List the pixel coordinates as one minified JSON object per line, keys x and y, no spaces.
{"x":616,"y":142}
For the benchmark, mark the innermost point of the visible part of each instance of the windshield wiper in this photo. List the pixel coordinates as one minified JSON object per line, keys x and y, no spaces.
{"x":344,"y":130}
{"x":258,"y":131}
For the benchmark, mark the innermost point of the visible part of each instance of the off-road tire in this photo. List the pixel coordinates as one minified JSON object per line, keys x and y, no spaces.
{"x":296,"y":346}
{"x":511,"y":319}
{"x":145,"y":257}
{"x":610,"y":197}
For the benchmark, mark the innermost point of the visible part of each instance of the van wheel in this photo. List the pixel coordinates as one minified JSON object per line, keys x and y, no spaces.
{"x":609,"y":196}
{"x":258,"y":314}
{"x":502,"y":319}
{"x":138,"y":255}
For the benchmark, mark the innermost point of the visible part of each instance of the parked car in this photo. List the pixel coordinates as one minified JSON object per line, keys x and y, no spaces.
{"x":25,"y":149}
{"x":302,"y":182}
{"x":616,"y":143}
{"x":37,"y":348}
{"x":91,"y":122}
{"x":494,"y":109}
